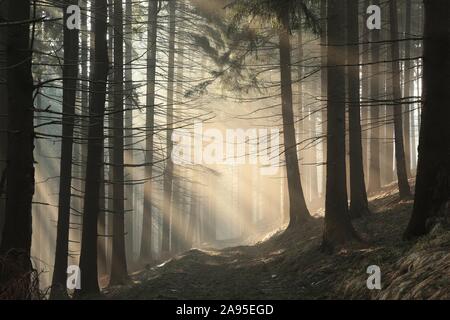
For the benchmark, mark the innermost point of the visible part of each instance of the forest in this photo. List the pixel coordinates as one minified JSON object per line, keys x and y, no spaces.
{"x":224,"y":149}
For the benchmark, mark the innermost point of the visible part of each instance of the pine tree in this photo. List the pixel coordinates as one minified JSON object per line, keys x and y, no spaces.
{"x":402,"y":176}
{"x":20,"y":164}
{"x":298,"y":211}
{"x":358,"y":196}
{"x":433,"y":175}
{"x":338,"y":227}
{"x":3,"y":115}
{"x":168,"y":171}
{"x":119,"y":274}
{"x":70,"y":74}
{"x":88,"y":256}
{"x":152,"y":28}
{"x":374,"y":160}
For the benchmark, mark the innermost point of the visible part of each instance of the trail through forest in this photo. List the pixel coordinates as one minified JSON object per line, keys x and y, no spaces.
{"x":218,"y":149}
{"x":292,"y":265}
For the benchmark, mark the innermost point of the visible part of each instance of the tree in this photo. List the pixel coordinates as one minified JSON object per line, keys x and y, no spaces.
{"x":20,"y":163}
{"x":19,"y":173}
{"x":338,"y":227}
{"x":177,"y":237}
{"x":84,"y":88}
{"x":298,"y":211}
{"x":358,"y":197}
{"x":365,"y":71}
{"x":3,"y":115}
{"x":374,"y":161}
{"x":386,"y":118}
{"x":168,"y":171}
{"x":433,"y":175}
{"x":70,"y":74}
{"x":407,"y":87}
{"x":323,"y":85}
{"x":288,"y":15}
{"x":147,"y":217}
{"x":119,"y":274}
{"x":129,"y":146}
{"x":402,"y":175}
{"x":193,"y":224}
{"x":88,"y":256}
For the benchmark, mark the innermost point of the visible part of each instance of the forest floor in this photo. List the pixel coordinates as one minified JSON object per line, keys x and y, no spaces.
{"x":292,"y":266}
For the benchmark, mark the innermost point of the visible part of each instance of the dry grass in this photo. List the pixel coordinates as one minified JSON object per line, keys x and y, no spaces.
{"x":18,"y":280}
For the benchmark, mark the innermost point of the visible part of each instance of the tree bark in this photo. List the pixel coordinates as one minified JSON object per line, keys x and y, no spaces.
{"x":119,"y":273}
{"x":129,"y":146}
{"x":433,"y":173}
{"x":298,"y":211}
{"x":374,"y":163}
{"x":387,"y":116}
{"x":323,"y":87}
{"x":70,"y":74}
{"x":19,"y":175}
{"x":20,"y":164}
{"x":387,"y":111}
{"x":407,"y":88}
{"x":3,"y":114}
{"x":365,"y":73}
{"x":402,"y":176}
{"x":147,"y":218}
{"x":178,"y":230}
{"x":358,"y":198}
{"x":88,"y":256}
{"x":338,"y":227}
{"x":168,"y":172}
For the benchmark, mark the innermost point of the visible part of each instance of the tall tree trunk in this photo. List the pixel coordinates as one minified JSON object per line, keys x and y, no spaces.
{"x":192,"y":228}
{"x":16,"y":242}
{"x":387,"y":116}
{"x":323,"y":87}
{"x":147,"y":217}
{"x":338,"y":227}
{"x":102,"y":259}
{"x":20,"y":164}
{"x":119,"y":274}
{"x":402,"y":176}
{"x":146,"y":236}
{"x":88,"y":257}
{"x":70,"y":73}
{"x":178,"y":212}
{"x":298,"y":211}
{"x":419,"y":80}
{"x":365,"y":73}
{"x":3,"y":115}
{"x":168,"y":172}
{"x":104,"y":217}
{"x":433,"y":173}
{"x":84,"y":56}
{"x":374,"y":164}
{"x":407,"y":88}
{"x":301,"y":123}
{"x":358,"y":199}
{"x":107,"y":183}
{"x":129,"y":146}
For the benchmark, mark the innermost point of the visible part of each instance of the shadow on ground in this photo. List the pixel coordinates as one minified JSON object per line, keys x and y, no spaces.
{"x":292,"y":266}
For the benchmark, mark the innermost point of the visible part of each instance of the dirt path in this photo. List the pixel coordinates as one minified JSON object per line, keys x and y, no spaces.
{"x":292,"y":266}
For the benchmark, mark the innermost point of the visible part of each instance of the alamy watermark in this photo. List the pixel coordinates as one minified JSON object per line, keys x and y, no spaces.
{"x":211,"y":146}
{"x":73,"y":17}
{"x":74,"y":277}
{"x":374,"y":20}
{"x":374,"y":280}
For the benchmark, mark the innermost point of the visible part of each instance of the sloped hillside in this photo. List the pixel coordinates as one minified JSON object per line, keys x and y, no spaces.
{"x":292,"y":266}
